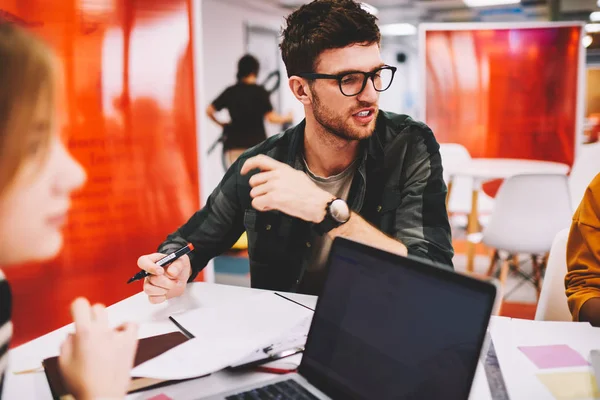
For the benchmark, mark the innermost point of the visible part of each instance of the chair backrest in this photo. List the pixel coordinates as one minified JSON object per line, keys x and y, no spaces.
{"x":552,"y":305}
{"x":585,"y":168}
{"x":529,"y":211}
{"x":460,"y":199}
{"x":453,"y":154}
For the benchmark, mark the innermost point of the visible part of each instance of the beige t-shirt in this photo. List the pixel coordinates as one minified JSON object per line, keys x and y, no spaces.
{"x":339,"y":186}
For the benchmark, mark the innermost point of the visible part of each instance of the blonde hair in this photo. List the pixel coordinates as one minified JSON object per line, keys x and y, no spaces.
{"x":27,"y":77}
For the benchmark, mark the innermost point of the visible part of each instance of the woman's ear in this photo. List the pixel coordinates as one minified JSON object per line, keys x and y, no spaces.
{"x":300,"y":89}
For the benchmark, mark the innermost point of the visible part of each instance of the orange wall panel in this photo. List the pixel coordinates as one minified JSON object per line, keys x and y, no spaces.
{"x":129,"y":119}
{"x":505,"y":93}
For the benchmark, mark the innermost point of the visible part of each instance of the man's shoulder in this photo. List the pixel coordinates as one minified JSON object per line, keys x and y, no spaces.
{"x":595,"y":185}
{"x":392,"y":127}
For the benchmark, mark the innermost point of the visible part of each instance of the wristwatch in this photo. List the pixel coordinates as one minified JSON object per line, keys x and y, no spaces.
{"x":337,"y":213}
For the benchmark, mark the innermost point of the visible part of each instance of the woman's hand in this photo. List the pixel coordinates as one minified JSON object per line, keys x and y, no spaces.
{"x":96,"y":360}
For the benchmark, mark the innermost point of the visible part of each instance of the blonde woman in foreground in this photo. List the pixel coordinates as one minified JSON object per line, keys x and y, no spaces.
{"x":37,"y":176}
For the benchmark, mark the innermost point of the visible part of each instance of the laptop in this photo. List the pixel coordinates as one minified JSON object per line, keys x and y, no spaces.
{"x":387,"y":327}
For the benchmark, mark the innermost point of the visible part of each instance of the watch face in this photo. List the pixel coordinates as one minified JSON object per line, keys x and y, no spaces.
{"x":339,"y":211}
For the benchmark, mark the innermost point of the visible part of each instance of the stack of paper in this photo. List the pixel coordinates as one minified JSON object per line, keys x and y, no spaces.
{"x":546,"y":360}
{"x":225,"y":335}
{"x":294,"y":339}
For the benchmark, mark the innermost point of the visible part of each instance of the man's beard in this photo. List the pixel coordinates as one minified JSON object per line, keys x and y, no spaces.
{"x":338,"y":125}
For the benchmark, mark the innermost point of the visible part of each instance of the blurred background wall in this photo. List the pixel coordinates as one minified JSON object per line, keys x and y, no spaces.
{"x":130,"y":120}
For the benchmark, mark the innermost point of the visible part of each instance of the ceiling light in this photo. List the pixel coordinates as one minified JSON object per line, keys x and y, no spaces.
{"x":587,"y":41}
{"x":398,"y":29}
{"x":595,"y":16}
{"x":592,"y":28}
{"x":370,"y":9}
{"x":488,"y":3}
{"x":598,"y":3}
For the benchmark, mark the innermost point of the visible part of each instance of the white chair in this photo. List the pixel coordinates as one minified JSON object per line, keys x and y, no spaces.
{"x":552,"y":305}
{"x":585,"y":168}
{"x":529,"y":211}
{"x":453,"y":154}
{"x":459,"y":202}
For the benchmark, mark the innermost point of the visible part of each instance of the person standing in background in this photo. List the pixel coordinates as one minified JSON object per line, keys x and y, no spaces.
{"x":249,"y":105}
{"x":37,"y":177}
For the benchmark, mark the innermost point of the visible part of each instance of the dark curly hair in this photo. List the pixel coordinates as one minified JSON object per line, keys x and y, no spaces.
{"x":322,"y":25}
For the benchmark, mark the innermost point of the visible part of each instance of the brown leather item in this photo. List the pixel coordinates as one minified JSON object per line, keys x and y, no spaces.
{"x":148,"y":348}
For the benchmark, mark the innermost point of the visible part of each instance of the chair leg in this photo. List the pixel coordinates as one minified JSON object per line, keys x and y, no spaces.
{"x":448,"y":195}
{"x":537,"y":274}
{"x":515,"y":262}
{"x":543,"y":266}
{"x":493,"y":262}
{"x":545,"y":263}
{"x":504,"y":268}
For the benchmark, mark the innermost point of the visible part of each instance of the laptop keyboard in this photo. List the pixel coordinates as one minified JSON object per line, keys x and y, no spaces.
{"x":289,"y":389}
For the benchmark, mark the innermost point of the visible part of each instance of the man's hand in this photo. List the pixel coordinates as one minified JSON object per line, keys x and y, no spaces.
{"x":96,"y":361}
{"x":280,"y":187}
{"x":164,"y":283}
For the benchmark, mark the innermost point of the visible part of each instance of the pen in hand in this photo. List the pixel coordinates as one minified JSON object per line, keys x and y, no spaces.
{"x":163,"y":262}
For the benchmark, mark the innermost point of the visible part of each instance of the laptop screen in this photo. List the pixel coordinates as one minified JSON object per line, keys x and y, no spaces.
{"x":389,"y":327}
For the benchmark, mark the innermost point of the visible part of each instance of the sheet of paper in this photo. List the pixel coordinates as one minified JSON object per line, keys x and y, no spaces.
{"x":517,"y":369}
{"x":296,"y":337}
{"x":263,"y":317}
{"x":194,"y":358}
{"x":571,"y":385}
{"x":293,"y":339}
{"x":225,"y":335}
{"x":554,"y":356}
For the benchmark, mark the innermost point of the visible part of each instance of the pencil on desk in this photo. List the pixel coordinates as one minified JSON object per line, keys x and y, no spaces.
{"x":29,"y":371}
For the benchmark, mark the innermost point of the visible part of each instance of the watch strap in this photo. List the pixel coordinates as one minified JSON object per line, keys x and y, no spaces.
{"x":328,"y":222}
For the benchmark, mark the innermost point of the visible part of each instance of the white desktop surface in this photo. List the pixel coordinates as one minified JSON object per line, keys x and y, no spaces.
{"x":153,"y":320}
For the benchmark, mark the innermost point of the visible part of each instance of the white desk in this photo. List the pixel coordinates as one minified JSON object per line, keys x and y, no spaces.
{"x":486,"y":169}
{"x":153,"y":320}
{"x":483,"y":169}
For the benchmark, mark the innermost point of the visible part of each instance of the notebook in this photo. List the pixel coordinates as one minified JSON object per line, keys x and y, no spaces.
{"x":148,"y":348}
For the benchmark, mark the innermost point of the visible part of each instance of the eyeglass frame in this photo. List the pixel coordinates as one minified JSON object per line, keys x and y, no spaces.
{"x":339,"y":77}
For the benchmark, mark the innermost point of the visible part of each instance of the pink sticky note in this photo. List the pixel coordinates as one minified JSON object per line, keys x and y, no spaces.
{"x":554,"y":356}
{"x":161,"y":396}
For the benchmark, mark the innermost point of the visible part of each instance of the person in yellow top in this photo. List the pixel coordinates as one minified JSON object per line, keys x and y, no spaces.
{"x":582,"y":282}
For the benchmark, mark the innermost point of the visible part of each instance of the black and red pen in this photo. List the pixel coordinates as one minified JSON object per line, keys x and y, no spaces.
{"x":163,"y":262}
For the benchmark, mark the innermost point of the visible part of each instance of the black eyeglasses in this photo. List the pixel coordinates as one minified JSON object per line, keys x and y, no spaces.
{"x":353,"y":83}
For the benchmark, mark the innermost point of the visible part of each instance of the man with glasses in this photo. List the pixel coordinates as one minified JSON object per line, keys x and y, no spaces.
{"x":347,"y":170}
